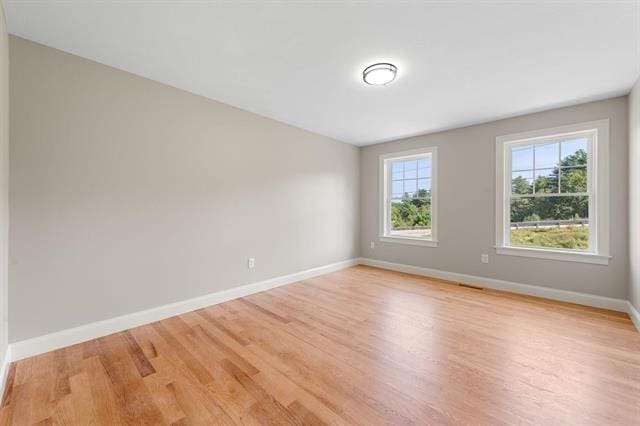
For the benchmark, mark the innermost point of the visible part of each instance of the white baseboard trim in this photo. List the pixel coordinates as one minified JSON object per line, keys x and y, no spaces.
{"x":4,"y":370}
{"x":620,"y":305}
{"x":83,"y":333}
{"x":634,"y":315}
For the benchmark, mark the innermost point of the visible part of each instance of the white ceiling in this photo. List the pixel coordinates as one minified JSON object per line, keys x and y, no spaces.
{"x":300,"y":63}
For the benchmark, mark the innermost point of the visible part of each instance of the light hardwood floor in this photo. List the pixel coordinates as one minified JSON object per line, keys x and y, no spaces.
{"x":359,"y":346}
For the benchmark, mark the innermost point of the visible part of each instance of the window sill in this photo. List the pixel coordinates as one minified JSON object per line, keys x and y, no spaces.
{"x":409,"y":240}
{"x":567,"y":256}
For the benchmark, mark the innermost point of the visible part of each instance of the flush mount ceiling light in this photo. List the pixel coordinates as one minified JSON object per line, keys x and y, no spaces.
{"x":379,"y":74}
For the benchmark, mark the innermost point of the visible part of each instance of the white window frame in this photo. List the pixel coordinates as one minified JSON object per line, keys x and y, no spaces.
{"x":597,"y":190}
{"x":385,"y":191}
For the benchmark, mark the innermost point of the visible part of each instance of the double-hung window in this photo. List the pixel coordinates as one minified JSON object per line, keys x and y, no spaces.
{"x":553,"y":193}
{"x":409,"y":197}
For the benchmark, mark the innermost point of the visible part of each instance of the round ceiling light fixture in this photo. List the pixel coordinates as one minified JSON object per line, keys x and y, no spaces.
{"x":379,"y":74}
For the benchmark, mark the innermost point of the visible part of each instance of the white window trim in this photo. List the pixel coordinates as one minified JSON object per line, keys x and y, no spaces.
{"x":598,"y":202}
{"x":384,"y":193}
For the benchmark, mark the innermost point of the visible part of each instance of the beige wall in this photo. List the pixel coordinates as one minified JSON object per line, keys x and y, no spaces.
{"x":467,"y":178}
{"x":4,"y":183}
{"x":634,"y":195}
{"x":128,"y":194}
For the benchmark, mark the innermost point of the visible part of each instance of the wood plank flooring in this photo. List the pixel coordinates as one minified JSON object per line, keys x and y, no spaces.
{"x":360,"y":346}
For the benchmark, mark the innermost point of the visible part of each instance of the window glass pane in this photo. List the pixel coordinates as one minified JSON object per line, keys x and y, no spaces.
{"x":397,"y":176}
{"x":571,"y":154}
{"x":410,"y":174}
{"x":410,"y":187}
{"x":547,"y":155}
{"x":573,"y":179}
{"x":424,"y":184}
{"x":397,"y":189}
{"x":411,"y":218}
{"x":410,"y":170}
{"x":522,"y":182}
{"x":525,"y":174}
{"x":521,"y":185}
{"x":424,"y":162}
{"x":410,"y":165}
{"x":551,"y":222}
{"x":546,"y":181}
{"x":396,"y":167}
{"x":424,"y":173}
{"x":522,"y":158}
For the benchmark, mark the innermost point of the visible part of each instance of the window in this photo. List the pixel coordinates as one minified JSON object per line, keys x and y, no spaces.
{"x":409,"y":197}
{"x":553,"y":193}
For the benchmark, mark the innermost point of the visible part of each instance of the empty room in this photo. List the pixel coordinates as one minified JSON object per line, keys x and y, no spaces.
{"x":306,"y":213}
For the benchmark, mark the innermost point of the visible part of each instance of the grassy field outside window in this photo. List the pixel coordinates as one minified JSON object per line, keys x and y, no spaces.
{"x":568,"y":237}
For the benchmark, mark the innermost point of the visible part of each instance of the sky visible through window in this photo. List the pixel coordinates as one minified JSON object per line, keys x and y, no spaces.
{"x":531,"y":162}
{"x":547,"y":155}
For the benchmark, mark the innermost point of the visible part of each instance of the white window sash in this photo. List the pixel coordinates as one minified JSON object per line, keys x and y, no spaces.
{"x":597,"y":133}
{"x":386,"y":193}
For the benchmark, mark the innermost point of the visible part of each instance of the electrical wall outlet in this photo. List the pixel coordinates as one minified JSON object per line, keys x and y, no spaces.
{"x":251,"y":263}
{"x":484,"y":258}
{"x":373,"y":244}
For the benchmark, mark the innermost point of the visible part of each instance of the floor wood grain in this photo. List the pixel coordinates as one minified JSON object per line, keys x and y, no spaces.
{"x":360,"y":346}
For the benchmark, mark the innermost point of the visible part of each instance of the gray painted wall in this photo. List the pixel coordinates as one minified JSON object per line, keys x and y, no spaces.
{"x":467,"y":178}
{"x":128,"y":194}
{"x":634,"y":196}
{"x":4,"y":184}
